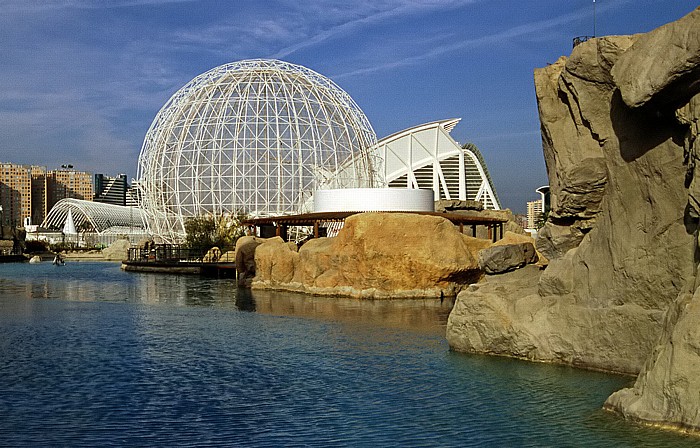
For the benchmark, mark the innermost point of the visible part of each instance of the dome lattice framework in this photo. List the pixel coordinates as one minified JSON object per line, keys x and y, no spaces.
{"x":254,"y":136}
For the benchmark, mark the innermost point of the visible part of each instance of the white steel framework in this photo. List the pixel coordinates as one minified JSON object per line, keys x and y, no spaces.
{"x":426,"y":156}
{"x":95,"y":217}
{"x":255,"y":136}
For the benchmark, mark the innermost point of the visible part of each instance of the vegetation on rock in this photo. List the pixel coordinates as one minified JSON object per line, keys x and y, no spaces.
{"x":207,"y":231}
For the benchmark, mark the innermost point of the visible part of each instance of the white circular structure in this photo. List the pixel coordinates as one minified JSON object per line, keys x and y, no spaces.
{"x":256,"y":137}
{"x":374,"y":200}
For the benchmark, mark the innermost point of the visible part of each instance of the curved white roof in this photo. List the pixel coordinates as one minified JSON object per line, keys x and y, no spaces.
{"x":426,"y":156}
{"x":100,"y":217}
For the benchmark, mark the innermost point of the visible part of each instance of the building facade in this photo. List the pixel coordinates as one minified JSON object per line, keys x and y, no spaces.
{"x":15,"y":193}
{"x":40,"y":198}
{"x":68,"y":184}
{"x":534,"y":213}
{"x":111,"y":190}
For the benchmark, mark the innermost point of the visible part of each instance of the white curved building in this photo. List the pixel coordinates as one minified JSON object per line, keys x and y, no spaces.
{"x":426,"y":156}
{"x":255,"y":136}
{"x":94,"y":217}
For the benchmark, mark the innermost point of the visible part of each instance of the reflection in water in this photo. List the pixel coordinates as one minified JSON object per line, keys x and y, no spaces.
{"x":105,"y":282}
{"x":416,"y":314}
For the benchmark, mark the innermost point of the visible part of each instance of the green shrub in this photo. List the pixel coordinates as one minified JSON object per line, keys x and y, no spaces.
{"x":35,"y":246}
{"x":205,"y":232}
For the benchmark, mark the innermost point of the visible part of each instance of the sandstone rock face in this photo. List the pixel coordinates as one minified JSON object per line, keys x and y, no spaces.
{"x":505,"y":315}
{"x":666,"y":391}
{"x":618,"y":198}
{"x":245,"y":259}
{"x":619,"y":128}
{"x":663,"y":64}
{"x":117,"y":251}
{"x":555,"y":240}
{"x":506,"y":257}
{"x":453,"y":205}
{"x":375,"y":255}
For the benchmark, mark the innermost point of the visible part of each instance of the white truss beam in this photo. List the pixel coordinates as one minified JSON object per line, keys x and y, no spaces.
{"x":426,"y":156}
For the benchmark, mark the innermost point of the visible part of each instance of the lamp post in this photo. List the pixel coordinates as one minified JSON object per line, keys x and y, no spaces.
{"x":594,"y":35}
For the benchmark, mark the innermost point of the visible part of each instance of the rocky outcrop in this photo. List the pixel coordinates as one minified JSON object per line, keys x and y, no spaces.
{"x":511,"y":252}
{"x":619,"y":130}
{"x":664,"y":65}
{"x":455,"y":205}
{"x":117,"y":251}
{"x":375,"y":255}
{"x":245,"y":259}
{"x":667,"y":390}
{"x":505,"y":315}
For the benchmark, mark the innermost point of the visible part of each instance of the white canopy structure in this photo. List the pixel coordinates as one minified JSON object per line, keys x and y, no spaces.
{"x":426,"y":156}
{"x":100,"y":218}
{"x":255,"y":136}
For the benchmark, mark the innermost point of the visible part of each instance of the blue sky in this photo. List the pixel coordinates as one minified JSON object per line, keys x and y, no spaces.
{"x":81,"y":80}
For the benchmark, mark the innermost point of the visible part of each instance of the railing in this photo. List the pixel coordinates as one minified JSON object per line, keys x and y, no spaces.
{"x":581,"y":39}
{"x":167,"y":253}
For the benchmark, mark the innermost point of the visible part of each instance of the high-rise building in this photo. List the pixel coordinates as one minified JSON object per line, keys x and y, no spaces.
{"x":133,"y":194}
{"x":534,"y":213}
{"x":15,"y":193}
{"x":110,"y":190}
{"x":40,"y":205}
{"x":68,"y":183}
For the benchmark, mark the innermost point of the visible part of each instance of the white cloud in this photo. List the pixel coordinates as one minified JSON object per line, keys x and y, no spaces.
{"x":366,"y":16}
{"x":52,"y":5}
{"x":533,"y":28}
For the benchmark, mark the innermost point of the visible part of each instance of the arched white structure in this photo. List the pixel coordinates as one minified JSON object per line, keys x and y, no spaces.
{"x":254,"y":136}
{"x":374,"y":200}
{"x":426,"y":156}
{"x":100,"y":218}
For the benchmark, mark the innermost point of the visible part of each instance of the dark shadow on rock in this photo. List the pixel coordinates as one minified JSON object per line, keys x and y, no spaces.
{"x":642,"y":129}
{"x":691,"y":222}
{"x":466,"y":277}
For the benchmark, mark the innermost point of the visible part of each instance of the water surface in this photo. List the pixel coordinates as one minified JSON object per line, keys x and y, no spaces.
{"x":94,"y":356}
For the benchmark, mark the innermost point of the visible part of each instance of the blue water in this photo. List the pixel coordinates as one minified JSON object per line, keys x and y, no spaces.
{"x":93,"y":356}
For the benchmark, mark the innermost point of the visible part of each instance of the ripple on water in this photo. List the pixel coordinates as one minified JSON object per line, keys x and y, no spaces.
{"x":92,"y":356}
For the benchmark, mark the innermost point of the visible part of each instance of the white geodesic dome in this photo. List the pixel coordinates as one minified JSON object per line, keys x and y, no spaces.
{"x":255,"y":136}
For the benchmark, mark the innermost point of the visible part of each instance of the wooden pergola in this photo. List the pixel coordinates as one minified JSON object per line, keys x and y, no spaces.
{"x":282,"y":223}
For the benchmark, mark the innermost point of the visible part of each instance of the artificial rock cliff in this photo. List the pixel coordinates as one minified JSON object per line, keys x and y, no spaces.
{"x":375,"y":255}
{"x":620,"y":120}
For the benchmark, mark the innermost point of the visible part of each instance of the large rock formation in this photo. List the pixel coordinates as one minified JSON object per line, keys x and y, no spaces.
{"x":375,"y":255}
{"x":619,"y":122}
